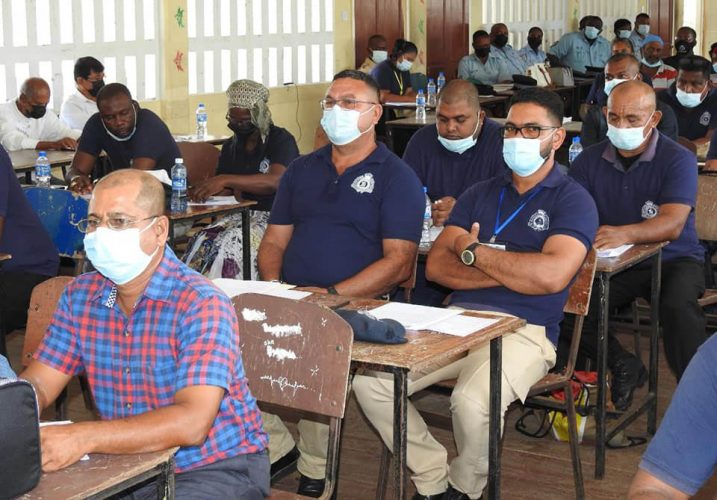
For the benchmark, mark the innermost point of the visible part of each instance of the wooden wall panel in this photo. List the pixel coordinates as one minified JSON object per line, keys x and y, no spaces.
{"x":447,"y":35}
{"x":384,"y":17}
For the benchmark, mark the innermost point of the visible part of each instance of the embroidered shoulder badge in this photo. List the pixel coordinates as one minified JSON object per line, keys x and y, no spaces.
{"x":649,"y":210}
{"x":705,"y":118}
{"x":264,"y":165}
{"x":363,"y":183}
{"x":539,"y":221}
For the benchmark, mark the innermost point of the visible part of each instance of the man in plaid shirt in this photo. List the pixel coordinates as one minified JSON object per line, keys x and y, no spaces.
{"x":159,"y":344}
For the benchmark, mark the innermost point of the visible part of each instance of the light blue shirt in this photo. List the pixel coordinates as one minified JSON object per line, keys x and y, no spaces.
{"x":510,"y":57}
{"x":574,"y":50}
{"x":530,"y":57}
{"x":5,"y":370}
{"x":493,"y":71}
{"x":636,"y":41}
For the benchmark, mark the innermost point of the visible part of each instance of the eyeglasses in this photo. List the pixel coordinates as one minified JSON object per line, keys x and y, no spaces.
{"x":529,"y":131}
{"x":328,"y":103}
{"x":115,"y":223}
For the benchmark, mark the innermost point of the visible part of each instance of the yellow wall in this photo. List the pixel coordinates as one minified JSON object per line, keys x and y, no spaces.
{"x":295,"y":108}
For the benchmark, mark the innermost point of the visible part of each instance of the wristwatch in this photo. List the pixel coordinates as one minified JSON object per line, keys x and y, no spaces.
{"x":467,"y":255}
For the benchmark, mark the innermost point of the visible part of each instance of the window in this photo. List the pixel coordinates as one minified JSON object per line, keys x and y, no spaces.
{"x":271,"y":41}
{"x":45,"y":37}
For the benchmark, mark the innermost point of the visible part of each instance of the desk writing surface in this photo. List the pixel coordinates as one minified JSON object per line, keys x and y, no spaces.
{"x":86,"y":478}
{"x":194,"y":211}
{"x":24,"y":159}
{"x":631,"y":257}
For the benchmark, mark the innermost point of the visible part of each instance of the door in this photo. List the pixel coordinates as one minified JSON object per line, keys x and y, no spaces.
{"x":447,"y":36}
{"x":372,"y":17}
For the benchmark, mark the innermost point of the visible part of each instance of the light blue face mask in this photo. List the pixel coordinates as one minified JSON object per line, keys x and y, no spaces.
{"x":643,"y":29}
{"x":591,"y":32}
{"x":656,"y":64}
{"x":630,"y":138}
{"x":690,"y":99}
{"x":341,"y":125}
{"x":523,"y":155}
{"x":404,"y":65}
{"x":624,"y":34}
{"x":459,"y":146}
{"x":378,"y":56}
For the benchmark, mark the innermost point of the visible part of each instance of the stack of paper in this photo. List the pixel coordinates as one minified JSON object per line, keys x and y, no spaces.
{"x":607,"y":253}
{"x":215,"y":201}
{"x":449,"y":321}
{"x":237,"y":287}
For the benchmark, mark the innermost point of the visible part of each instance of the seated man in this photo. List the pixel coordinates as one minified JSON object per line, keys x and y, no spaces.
{"x":583,"y":48}
{"x":34,"y":256}
{"x":347,"y":219}
{"x":597,"y":94}
{"x":482,"y":66}
{"x":461,"y":149}
{"x":160,"y":346}
{"x":512,"y":243}
{"x":82,"y":104}
{"x":622,"y":68}
{"x":531,"y":53}
{"x":26,"y":124}
{"x":132,"y":138}
{"x":377,"y":53}
{"x":685,"y":43}
{"x":693,"y":100}
{"x":645,"y":187}
{"x":662,"y":75}
{"x":642,"y":29}
{"x":500,"y":47}
{"x":682,"y":455}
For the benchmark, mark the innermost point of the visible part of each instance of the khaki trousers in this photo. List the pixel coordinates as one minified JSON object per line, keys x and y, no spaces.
{"x":313,"y":444}
{"x":527,"y":357}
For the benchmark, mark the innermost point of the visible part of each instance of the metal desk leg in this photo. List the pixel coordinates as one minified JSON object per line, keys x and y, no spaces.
{"x":400,"y":422}
{"x":496,"y":374}
{"x":246,"y":245}
{"x":600,"y":417}
{"x":654,"y":337}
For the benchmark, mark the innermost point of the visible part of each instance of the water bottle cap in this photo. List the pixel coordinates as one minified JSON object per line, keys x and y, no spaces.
{"x":43,"y":153}
{"x":425,"y":189}
{"x":420,"y":91}
{"x":576,"y":139}
{"x":178,"y":160}
{"x":430,"y":80}
{"x":441,"y":73}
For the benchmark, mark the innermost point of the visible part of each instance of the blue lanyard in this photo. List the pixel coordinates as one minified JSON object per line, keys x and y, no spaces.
{"x":498,"y":226}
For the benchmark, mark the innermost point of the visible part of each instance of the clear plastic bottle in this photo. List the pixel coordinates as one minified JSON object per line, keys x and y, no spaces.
{"x":427,"y":221}
{"x":420,"y":106}
{"x":179,"y":187}
{"x":43,"y":171}
{"x":575,"y":149}
{"x":441,"y":82}
{"x":201,"y":121}
{"x":431,"y":92}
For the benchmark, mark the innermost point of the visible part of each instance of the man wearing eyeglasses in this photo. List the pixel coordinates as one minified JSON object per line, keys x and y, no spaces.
{"x":512,"y":244}
{"x":159,"y":345}
{"x":346,"y":220}
{"x":132,"y":138}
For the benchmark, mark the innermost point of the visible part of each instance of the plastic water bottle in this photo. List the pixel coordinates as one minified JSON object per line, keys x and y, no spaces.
{"x":179,"y":186}
{"x":427,"y":221}
{"x":575,"y":149}
{"x":42,"y":170}
{"x":431,"y":91}
{"x":201,"y":121}
{"x":420,"y":106}
{"x":441,"y":82}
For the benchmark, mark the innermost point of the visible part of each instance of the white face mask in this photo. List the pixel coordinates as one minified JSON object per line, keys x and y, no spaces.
{"x":122,"y":139}
{"x":341,"y":125}
{"x":643,"y":29}
{"x":405,"y":65}
{"x":118,"y":255}
{"x":379,"y":56}
{"x":523,"y":155}
{"x":611,"y":84}
{"x":624,"y":34}
{"x":656,"y":64}
{"x":689,"y":99}
{"x":628,"y":139}
{"x":459,"y":146}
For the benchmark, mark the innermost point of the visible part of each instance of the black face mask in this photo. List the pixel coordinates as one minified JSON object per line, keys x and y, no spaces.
{"x":483,"y":51}
{"x":535,"y":42}
{"x":96,"y":86}
{"x":38,"y":111}
{"x":500,"y":41}
{"x":684,"y":47}
{"x":241,"y":129}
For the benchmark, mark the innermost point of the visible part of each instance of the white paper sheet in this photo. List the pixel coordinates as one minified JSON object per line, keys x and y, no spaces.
{"x":161,"y":176}
{"x":62,"y":422}
{"x":435,"y":232}
{"x":414,"y":317}
{"x":399,"y":104}
{"x":236,"y":287}
{"x":214,"y":201}
{"x":607,"y":253}
{"x":463,"y":325}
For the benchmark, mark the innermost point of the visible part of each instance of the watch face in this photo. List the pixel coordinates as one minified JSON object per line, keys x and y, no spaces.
{"x":468,"y":257}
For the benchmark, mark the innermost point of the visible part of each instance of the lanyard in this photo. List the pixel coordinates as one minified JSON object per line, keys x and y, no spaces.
{"x":498,"y":226}
{"x":400,"y":82}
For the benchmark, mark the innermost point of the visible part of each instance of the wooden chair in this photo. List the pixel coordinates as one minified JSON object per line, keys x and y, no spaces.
{"x":201,"y":160}
{"x":43,"y":302}
{"x":297,"y":357}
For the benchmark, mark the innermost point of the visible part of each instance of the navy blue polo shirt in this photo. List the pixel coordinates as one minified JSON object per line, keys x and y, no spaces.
{"x":390,"y":78}
{"x":693,"y":123}
{"x":665,"y":173}
{"x":445,"y":173}
{"x":151,"y":140}
{"x":340,"y":221}
{"x":23,"y":235}
{"x":560,"y":206}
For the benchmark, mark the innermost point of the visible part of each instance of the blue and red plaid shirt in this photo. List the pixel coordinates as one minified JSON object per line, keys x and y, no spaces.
{"x":183,"y":332}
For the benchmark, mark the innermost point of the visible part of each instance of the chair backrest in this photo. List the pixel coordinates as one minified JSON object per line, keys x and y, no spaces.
{"x":296,"y":354}
{"x":43,"y":303}
{"x":201,"y":160}
{"x":60,"y":211}
{"x":706,"y":207}
{"x":687,"y":144}
{"x":579,"y":295}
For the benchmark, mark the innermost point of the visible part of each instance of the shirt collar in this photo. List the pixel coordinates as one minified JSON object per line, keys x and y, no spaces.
{"x":610,"y":153}
{"x":554,"y":178}
{"x":83,"y":96}
{"x":378,"y":155}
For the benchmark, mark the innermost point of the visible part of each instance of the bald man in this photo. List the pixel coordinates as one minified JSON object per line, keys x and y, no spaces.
{"x":159,"y":344}
{"x":500,"y":47}
{"x":462,"y":148}
{"x":644,"y":186}
{"x":621,"y":68}
{"x":26,"y":124}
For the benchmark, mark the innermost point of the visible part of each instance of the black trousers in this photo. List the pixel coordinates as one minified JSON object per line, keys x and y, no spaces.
{"x":15,"y":290}
{"x":682,"y":319}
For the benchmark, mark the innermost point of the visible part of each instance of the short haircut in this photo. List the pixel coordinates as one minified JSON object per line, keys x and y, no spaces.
{"x":401,"y":47}
{"x":86,"y":65}
{"x":695,"y":63}
{"x":112,"y":90}
{"x":480,"y":33}
{"x":623,"y":41}
{"x":150,"y":196}
{"x":458,"y":90}
{"x":546,"y":99}
{"x":621,"y":23}
{"x":642,"y":15}
{"x":691,"y":30}
{"x":713,"y":47}
{"x":354,"y":74}
{"x":617,"y":58}
{"x":375,"y":38}
{"x":582,"y":22}
{"x":535,"y":28}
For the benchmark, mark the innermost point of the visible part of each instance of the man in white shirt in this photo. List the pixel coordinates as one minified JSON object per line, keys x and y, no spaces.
{"x":26,"y":124}
{"x":81,"y":104}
